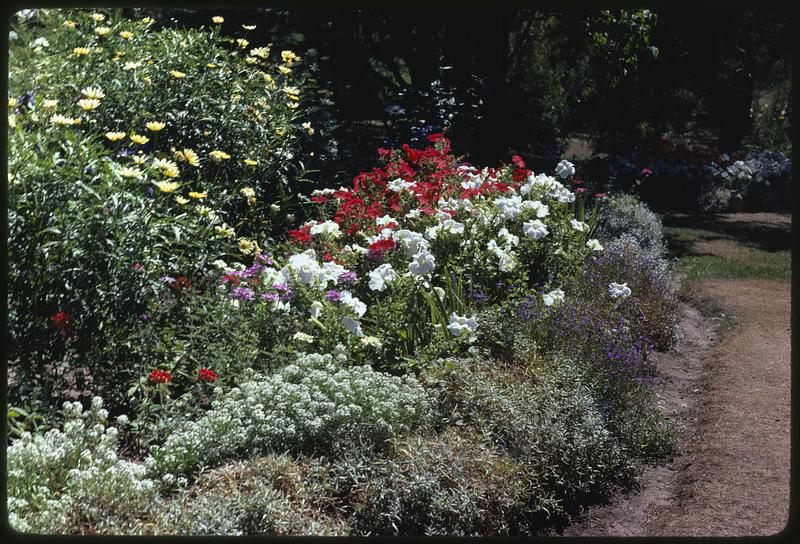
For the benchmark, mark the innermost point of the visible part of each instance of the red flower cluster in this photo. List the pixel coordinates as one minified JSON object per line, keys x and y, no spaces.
{"x":60,"y":320}
{"x":434,"y":174}
{"x":160,"y":376}
{"x":207,"y":375}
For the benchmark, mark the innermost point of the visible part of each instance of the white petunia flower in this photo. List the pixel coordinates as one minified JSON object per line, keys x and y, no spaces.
{"x":410,"y":242}
{"x":381,"y":277}
{"x":594,"y":245}
{"x":535,"y":229}
{"x":618,"y":290}
{"x":553,"y":297}
{"x":352,"y":325}
{"x":459,"y":324}
{"x":348,"y":299}
{"x":327,"y":228}
{"x":399,"y":184}
{"x":542,"y":210}
{"x":565,"y":169}
{"x":422,"y":263}
{"x":316,"y":309}
{"x":579,"y":225}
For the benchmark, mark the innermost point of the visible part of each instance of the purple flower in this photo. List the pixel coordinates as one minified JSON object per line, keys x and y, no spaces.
{"x":242,"y":293}
{"x":333,"y":295}
{"x":287,"y":295}
{"x":149,"y":191}
{"x":269,"y":297}
{"x":264,"y":259}
{"x":251,"y":271}
{"x":280,"y":287}
{"x":348,"y":278}
{"x":166,"y":279}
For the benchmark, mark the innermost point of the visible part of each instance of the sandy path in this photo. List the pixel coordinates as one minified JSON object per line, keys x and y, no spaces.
{"x":734,"y":477}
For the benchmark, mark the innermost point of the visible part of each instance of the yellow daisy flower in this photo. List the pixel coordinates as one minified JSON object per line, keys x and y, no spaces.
{"x":180,"y":200}
{"x":131,"y":65}
{"x":219,"y":156}
{"x":102,"y":31}
{"x":198,"y":196}
{"x":138,"y":159}
{"x":93,"y":92}
{"x":249,"y":27}
{"x":81,"y":51}
{"x":284,"y":70}
{"x":69,"y":24}
{"x":248,"y":192}
{"x":217,"y":20}
{"x":99,"y":17}
{"x":211,"y":65}
{"x":225,"y":230}
{"x":289,"y":57}
{"x":88,"y":104}
{"x":139,"y":139}
{"x":49,"y":104}
{"x":115,"y":136}
{"x":246,"y":246}
{"x":241,"y":42}
{"x":250,"y":162}
{"x":147,"y":80}
{"x":155,"y":126}
{"x":177,"y":74}
{"x":148,"y":20}
{"x":126,"y":35}
{"x":131,"y":173}
{"x":260,"y":52}
{"x":307,"y":127}
{"x":250,"y":60}
{"x":191,"y":157}
{"x":167,"y":186}
{"x":61,"y":120}
{"x":12,"y":102}
{"x":167,"y":167}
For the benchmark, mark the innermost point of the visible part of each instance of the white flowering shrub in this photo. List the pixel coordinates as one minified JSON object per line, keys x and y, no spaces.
{"x":315,"y":403}
{"x":383,"y":265}
{"x":68,"y":480}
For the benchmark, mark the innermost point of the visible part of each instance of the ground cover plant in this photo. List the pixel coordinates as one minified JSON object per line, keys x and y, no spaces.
{"x":433,"y":348}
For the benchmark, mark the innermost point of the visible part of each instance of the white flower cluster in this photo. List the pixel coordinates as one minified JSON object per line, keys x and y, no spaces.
{"x":56,"y":476}
{"x":314,"y":402}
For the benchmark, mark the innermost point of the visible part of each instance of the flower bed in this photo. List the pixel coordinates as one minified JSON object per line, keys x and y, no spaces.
{"x":438,"y":348}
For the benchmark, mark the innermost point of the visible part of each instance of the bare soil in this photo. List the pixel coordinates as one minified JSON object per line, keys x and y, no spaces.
{"x":732,"y":390}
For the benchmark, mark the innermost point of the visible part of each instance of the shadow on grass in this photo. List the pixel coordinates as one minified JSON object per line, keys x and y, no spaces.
{"x":758,"y":234}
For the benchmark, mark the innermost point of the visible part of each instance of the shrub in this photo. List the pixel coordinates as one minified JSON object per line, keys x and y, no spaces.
{"x":73,"y":480}
{"x":625,"y":215}
{"x":546,"y":417}
{"x":96,"y":215}
{"x":271,"y":495}
{"x":314,"y":404}
{"x":454,"y":483}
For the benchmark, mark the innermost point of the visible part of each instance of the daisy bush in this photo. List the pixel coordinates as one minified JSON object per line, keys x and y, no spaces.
{"x":138,"y":154}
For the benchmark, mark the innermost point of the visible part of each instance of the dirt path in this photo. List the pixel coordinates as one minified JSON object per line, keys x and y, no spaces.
{"x":731,"y":474}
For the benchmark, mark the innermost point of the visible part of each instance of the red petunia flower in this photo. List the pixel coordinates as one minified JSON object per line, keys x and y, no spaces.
{"x":600,"y":195}
{"x":320,"y":199}
{"x":160,"y":376}
{"x":207,"y":375}
{"x":60,"y":319}
{"x":182,"y":282}
{"x":382,"y":245}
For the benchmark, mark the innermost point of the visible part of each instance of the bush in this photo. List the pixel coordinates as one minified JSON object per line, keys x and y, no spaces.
{"x":96,"y":216}
{"x":545,"y":417}
{"x":314,"y":404}
{"x":271,"y":495}
{"x":73,"y":480}
{"x":625,"y":215}
{"x":454,"y":483}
